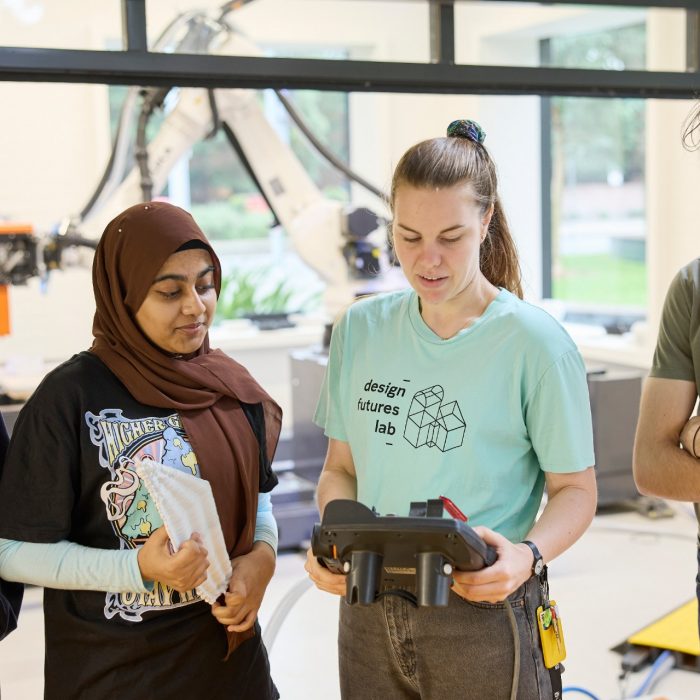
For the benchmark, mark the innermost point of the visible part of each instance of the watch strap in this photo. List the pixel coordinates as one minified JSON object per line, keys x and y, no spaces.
{"x":538,"y":561}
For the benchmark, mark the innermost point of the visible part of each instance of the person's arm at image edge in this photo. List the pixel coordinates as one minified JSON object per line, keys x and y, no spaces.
{"x":559,"y":424}
{"x":661,"y":466}
{"x":265,"y":523}
{"x":70,"y":566}
{"x":252,"y":573}
{"x":571,"y":505}
{"x":570,"y":508}
{"x":572,"y":494}
{"x":338,"y":480}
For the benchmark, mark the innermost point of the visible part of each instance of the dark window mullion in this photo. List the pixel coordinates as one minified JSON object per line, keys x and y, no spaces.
{"x":546,"y":178}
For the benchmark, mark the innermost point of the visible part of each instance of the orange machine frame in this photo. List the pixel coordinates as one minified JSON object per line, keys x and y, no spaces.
{"x":7,"y":229}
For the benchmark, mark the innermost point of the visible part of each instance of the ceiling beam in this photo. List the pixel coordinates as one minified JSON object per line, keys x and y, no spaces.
{"x":190,"y":70}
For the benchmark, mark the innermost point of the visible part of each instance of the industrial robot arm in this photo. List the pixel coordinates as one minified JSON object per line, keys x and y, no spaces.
{"x":341,"y":243}
{"x":334,"y":239}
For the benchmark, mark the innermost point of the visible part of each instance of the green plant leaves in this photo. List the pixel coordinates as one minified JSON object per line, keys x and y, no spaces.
{"x":248,"y":292}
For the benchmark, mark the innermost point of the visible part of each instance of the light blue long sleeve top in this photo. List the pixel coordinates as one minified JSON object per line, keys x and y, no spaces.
{"x":70,"y":566}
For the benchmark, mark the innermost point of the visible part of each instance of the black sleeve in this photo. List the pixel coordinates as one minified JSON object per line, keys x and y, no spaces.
{"x":40,"y":478}
{"x":256,"y":417}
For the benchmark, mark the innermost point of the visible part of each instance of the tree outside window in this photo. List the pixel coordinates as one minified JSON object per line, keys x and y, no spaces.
{"x":597,"y":185}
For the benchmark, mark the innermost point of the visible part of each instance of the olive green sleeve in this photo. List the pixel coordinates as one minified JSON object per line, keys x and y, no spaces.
{"x":673,"y":358}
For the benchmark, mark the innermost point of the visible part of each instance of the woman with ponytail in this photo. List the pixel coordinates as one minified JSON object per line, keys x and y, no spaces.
{"x":458,"y":388}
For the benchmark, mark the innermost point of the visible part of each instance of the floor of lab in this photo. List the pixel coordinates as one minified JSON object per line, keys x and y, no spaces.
{"x":626,"y":572}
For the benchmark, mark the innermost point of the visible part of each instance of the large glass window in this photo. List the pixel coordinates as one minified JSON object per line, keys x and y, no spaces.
{"x":594,"y":150}
{"x":262,"y":270}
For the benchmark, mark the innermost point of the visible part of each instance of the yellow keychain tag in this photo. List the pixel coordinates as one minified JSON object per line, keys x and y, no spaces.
{"x":551,"y":634}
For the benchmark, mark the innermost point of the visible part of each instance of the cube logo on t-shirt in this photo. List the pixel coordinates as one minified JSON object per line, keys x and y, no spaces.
{"x":434,"y":423}
{"x":128,"y":504}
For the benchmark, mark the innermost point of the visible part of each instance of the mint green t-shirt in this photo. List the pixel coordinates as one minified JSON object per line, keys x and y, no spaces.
{"x":478,"y":418}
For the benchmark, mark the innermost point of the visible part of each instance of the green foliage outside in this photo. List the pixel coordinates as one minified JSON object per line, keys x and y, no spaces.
{"x":215,"y":171}
{"x":601,"y":279}
{"x":326,"y":113}
{"x":600,"y":134}
{"x":219,"y":183}
{"x":247,"y":292}
{"x":231,"y":219}
{"x":592,"y":140}
{"x":217,"y":175}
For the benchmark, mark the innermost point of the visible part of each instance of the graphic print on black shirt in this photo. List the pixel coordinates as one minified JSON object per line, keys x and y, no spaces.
{"x":128,"y":504}
{"x":430,"y":422}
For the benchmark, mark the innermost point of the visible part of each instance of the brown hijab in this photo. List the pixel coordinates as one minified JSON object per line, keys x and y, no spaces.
{"x":205,"y":389}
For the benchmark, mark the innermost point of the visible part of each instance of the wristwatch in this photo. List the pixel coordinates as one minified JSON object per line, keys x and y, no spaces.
{"x":538,"y":563}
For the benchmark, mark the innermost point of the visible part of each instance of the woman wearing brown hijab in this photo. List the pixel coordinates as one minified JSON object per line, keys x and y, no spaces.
{"x":121,"y":614}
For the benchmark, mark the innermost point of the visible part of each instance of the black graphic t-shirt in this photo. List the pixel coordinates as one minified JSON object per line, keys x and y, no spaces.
{"x":69,"y":476}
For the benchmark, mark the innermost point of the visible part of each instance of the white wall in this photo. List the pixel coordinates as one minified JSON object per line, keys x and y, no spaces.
{"x":54,"y":141}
